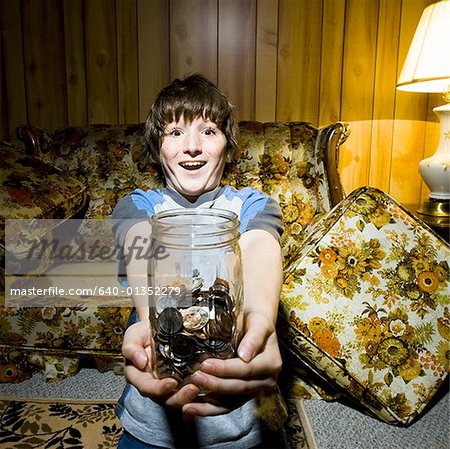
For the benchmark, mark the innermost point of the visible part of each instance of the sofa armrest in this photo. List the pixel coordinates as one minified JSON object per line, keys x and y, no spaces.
{"x":331,"y":138}
{"x":37,"y":141}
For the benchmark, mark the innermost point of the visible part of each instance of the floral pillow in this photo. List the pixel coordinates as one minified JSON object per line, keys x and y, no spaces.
{"x":367,"y":305}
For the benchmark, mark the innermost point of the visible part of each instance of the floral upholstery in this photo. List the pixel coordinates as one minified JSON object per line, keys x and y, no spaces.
{"x":35,"y":191}
{"x":285,"y":161}
{"x":346,"y":313}
{"x":60,"y":196}
{"x":108,"y":161}
{"x":54,"y":332}
{"x":106,"y":158}
{"x":367,"y":302}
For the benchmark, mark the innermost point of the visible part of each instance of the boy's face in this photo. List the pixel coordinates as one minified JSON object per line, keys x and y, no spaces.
{"x":192,"y":156}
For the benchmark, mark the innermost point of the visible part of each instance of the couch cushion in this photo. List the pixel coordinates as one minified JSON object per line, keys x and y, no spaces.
{"x":33,"y":192}
{"x":34,"y":189}
{"x":52,"y":339}
{"x":107,"y":158}
{"x":367,"y":305}
{"x":286,"y":161}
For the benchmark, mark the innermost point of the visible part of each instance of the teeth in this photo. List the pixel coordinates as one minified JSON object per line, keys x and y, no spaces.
{"x":192,"y":164}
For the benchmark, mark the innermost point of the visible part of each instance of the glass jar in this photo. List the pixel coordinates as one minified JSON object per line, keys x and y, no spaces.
{"x":196,"y":289}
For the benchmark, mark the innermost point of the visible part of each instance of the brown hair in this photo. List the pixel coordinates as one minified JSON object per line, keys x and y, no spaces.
{"x":191,"y":97}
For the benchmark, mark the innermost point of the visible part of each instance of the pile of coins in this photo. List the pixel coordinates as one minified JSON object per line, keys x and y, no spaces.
{"x":191,"y":326}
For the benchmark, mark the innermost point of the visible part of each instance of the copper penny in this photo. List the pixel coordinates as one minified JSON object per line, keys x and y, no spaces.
{"x":194,"y":318}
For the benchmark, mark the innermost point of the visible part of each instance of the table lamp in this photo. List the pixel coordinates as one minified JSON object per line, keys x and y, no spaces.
{"x":427,"y":69}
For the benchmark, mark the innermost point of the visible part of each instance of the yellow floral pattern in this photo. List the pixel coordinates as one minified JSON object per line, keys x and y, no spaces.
{"x":60,"y":197}
{"x":366,"y":288}
{"x":284,"y":160}
{"x":369,"y":298}
{"x":62,"y":332}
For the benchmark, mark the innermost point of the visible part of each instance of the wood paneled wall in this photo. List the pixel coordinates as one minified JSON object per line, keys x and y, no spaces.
{"x":73,"y":62}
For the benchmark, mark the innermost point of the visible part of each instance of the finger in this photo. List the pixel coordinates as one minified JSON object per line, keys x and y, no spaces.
{"x":187,"y":393}
{"x":257,"y":330}
{"x":266,"y":363}
{"x":139,"y":358}
{"x":260,"y":366}
{"x":233,"y":386}
{"x":138,"y":334}
{"x":148,"y":385}
{"x":136,"y":345}
{"x":204,"y":409}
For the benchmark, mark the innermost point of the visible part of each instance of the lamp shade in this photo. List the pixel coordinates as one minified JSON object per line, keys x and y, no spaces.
{"x":427,"y":65}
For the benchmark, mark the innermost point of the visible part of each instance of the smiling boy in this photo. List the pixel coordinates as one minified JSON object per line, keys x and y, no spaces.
{"x":191,"y":132}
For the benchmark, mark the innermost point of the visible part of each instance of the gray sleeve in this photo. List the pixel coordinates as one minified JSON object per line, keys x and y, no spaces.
{"x":261,"y":211}
{"x":125,"y":215}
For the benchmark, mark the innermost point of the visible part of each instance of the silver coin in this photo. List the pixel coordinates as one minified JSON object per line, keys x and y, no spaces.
{"x":164,"y":302}
{"x":169,"y":322}
{"x":197,"y":284}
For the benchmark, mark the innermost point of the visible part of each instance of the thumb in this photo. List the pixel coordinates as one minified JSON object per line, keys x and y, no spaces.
{"x":139,"y":359}
{"x":257,"y":329}
{"x":136,"y":343}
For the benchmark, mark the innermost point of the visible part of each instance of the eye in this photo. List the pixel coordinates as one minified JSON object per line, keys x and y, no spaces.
{"x":210,"y":132}
{"x":176,"y":132}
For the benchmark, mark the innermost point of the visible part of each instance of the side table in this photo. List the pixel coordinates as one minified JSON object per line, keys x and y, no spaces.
{"x":440,"y":225}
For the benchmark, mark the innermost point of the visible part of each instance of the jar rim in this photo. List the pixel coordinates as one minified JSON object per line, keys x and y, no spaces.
{"x":230,"y":218}
{"x":168,"y":223}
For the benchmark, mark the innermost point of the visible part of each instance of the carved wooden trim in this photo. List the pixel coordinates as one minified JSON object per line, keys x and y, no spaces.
{"x":30,"y":137}
{"x":337,"y":135}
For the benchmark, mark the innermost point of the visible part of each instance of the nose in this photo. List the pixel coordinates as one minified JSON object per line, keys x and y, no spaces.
{"x":193,"y":144}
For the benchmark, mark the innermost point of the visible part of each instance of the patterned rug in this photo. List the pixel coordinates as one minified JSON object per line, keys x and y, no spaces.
{"x":77,"y":424}
{"x":58,"y":424}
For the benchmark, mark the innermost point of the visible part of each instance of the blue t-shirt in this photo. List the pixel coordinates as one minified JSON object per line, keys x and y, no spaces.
{"x":254,"y":209}
{"x":140,"y":416}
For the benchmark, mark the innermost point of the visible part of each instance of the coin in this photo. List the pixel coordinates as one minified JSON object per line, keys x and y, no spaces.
{"x":164,"y":302}
{"x":218,"y":300}
{"x":224,"y":324}
{"x":169,"y":321}
{"x":226,"y":353}
{"x":201,"y":300}
{"x":183,"y":346}
{"x":221,"y":285}
{"x":216,"y":344}
{"x":202,"y":334}
{"x":194,"y":318}
{"x":164,"y":350}
{"x":197,"y":284}
{"x":195,"y":324}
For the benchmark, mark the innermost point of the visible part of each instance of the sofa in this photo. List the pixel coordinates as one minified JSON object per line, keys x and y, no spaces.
{"x":342,"y":258}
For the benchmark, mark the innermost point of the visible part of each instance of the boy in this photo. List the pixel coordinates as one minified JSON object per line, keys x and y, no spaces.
{"x":191,"y":133}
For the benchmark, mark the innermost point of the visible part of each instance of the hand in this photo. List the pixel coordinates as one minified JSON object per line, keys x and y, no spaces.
{"x":136,"y":349}
{"x":232,"y":381}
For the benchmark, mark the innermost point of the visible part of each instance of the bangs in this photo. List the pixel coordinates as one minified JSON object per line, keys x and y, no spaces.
{"x":192,"y":106}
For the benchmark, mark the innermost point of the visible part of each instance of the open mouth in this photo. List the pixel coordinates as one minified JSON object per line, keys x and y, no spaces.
{"x":192,"y":165}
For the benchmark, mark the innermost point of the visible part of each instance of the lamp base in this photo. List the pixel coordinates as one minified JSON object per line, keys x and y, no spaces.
{"x":436,"y":208}
{"x":436,"y":168}
{"x":436,"y":214}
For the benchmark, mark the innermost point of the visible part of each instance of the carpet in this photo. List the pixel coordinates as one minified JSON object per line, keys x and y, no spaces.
{"x":58,"y":424}
{"x":91,"y":424}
